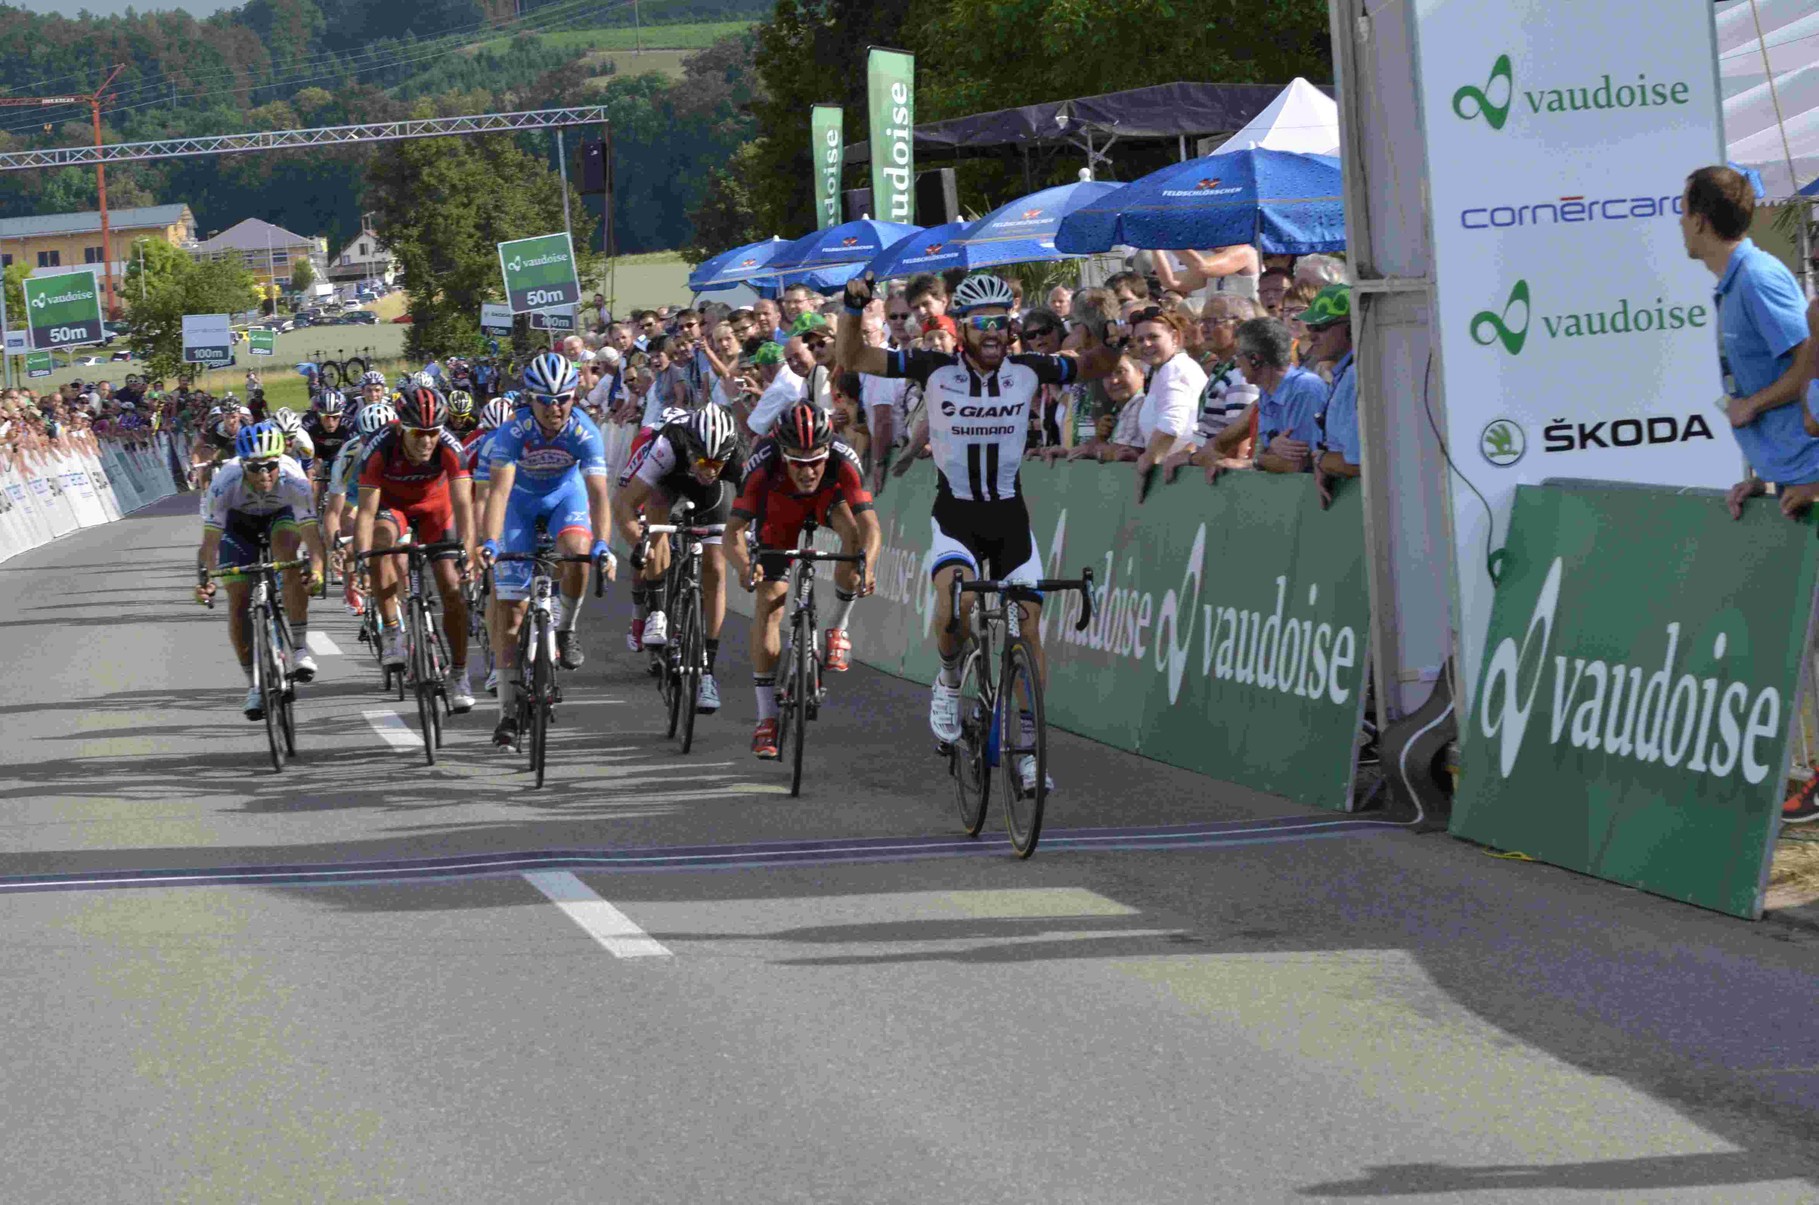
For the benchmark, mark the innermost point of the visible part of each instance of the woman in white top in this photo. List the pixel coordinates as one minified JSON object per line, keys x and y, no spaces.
{"x":1171,"y":405}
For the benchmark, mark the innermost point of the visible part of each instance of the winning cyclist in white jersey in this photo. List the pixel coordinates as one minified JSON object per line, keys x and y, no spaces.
{"x":976,"y":420}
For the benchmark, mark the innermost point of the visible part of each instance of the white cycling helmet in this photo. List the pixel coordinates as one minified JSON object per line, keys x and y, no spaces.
{"x":287,"y":421}
{"x":372,"y":377}
{"x":377,"y":417}
{"x":711,"y":431}
{"x":982,"y":289}
{"x":495,"y":414}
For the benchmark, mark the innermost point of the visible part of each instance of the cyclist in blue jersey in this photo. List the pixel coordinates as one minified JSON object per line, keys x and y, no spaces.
{"x":548,"y":464}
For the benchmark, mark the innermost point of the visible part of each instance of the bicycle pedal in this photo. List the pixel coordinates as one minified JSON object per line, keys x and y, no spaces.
{"x":943,"y":749}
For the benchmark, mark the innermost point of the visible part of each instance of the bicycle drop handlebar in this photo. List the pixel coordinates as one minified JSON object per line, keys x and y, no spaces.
{"x":419,"y":549}
{"x":566,"y":558}
{"x":1084,"y":584}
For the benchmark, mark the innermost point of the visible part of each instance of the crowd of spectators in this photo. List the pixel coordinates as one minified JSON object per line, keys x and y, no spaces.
{"x":1216,"y":375}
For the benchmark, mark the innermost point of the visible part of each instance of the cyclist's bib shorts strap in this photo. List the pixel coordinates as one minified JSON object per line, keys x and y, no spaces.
{"x":240,"y":538}
{"x":989,"y":539}
{"x":562,"y":510}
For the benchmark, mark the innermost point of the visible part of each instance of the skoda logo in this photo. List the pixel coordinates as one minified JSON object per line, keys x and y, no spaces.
{"x":1502,"y":442}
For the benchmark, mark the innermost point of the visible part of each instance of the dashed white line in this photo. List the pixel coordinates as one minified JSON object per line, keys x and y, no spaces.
{"x":604,"y":923}
{"x":322,"y":646}
{"x":392,"y":729}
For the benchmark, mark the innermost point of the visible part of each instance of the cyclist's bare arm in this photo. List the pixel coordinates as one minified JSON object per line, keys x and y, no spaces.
{"x":625,"y":508}
{"x":497,"y":495}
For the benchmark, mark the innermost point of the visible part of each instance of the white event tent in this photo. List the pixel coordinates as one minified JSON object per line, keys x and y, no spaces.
{"x":1753,"y":136}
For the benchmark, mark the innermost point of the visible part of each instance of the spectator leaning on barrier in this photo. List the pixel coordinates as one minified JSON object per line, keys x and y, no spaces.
{"x":1115,"y":436}
{"x":1171,"y":400}
{"x":1330,"y":320}
{"x":1763,"y":339}
{"x":1286,"y":412}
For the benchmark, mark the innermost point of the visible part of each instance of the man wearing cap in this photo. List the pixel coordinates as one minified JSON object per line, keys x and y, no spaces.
{"x":809,"y":334}
{"x":1329,"y":317}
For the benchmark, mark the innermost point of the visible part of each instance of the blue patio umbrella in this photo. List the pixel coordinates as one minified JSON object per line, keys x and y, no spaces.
{"x":931,"y":250}
{"x":1283,"y":202}
{"x":829,"y":258}
{"x":1023,"y":231}
{"x":730,"y":269}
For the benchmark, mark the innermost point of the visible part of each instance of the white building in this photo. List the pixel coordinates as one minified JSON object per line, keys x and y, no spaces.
{"x":364,"y":258}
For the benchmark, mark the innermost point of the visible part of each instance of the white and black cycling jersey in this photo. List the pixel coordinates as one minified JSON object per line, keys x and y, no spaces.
{"x":978,"y":422}
{"x":232,"y":492}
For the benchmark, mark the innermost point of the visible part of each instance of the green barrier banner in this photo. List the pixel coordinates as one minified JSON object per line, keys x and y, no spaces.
{"x":890,"y":81}
{"x":261,"y":342}
{"x":38,"y":364}
{"x":827,"y":143}
{"x":63,"y":310}
{"x":539,"y":272}
{"x":1639,"y":682}
{"x":1230,"y":636}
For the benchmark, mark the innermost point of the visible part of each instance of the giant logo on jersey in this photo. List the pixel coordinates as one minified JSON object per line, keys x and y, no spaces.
{"x":950,"y":410}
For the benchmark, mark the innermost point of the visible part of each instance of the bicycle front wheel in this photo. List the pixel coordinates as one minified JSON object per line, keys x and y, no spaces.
{"x":423,"y":684}
{"x":972,"y":777}
{"x":694,"y":657}
{"x":287,"y":695}
{"x":802,"y":652}
{"x":1022,"y":733}
{"x":271,"y":687}
{"x":541,"y":700}
{"x":331,"y":375}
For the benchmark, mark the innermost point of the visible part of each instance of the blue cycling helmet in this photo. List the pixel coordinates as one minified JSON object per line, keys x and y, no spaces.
{"x":550,"y":375}
{"x":262,"y":441}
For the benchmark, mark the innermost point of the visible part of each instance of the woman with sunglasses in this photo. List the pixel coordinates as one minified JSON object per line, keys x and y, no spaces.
{"x":261,"y":492}
{"x":976,"y":419}
{"x":546,"y":465}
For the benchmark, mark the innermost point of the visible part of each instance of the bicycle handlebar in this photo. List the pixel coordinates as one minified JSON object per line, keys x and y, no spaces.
{"x":566,"y":558}
{"x":1084,"y":584}
{"x":260,"y":567}
{"x":815,"y":554}
{"x":413,"y":549}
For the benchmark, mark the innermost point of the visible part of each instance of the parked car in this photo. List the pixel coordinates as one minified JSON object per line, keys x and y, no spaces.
{"x":120,"y":356}
{"x":363,"y":318}
{"x":402,"y":320}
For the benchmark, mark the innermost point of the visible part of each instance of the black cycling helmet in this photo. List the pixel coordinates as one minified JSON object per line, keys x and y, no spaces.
{"x":422,"y":407}
{"x":803,"y":432}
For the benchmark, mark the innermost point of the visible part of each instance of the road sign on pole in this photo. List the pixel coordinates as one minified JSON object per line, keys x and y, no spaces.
{"x":63,"y":310}
{"x":495,"y":319}
{"x":207,"y":340}
{"x":261,"y":342}
{"x":539,"y":272}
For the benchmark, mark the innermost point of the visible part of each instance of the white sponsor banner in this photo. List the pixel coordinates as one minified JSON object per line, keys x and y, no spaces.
{"x":18,"y":342}
{"x":207,"y":340}
{"x":1576,"y":338}
{"x":495,"y":319}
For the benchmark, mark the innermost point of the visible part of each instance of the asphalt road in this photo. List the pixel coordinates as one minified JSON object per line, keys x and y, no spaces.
{"x":662,"y":979}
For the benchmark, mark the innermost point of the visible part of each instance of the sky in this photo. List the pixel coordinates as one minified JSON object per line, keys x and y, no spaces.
{"x":108,"y":8}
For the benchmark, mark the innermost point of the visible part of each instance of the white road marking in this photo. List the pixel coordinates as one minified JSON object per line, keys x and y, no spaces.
{"x":322,"y":646}
{"x":392,"y":729}
{"x":603,"y":922}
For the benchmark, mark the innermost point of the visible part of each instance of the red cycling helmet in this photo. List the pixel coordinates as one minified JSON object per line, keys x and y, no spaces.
{"x":803,"y":432}
{"x":422,"y":407}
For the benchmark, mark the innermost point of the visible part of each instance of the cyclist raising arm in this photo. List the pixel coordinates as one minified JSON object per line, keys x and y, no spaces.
{"x":262,"y":492}
{"x":413,"y":478}
{"x":802,"y":472}
{"x":977,"y":413}
{"x":547,"y":466}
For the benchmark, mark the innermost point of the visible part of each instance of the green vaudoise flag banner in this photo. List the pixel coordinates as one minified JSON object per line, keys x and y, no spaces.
{"x":1640,"y":676}
{"x":260,"y":342}
{"x":539,"y":272}
{"x":890,"y":82}
{"x":827,"y":143}
{"x":63,"y":310}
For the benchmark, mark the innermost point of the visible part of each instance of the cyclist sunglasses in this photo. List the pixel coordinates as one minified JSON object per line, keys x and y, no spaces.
{"x":552,"y":399}
{"x":817,"y":458}
{"x":709,"y":466}
{"x":431,"y":431}
{"x":989,"y":322}
{"x":259,"y":466}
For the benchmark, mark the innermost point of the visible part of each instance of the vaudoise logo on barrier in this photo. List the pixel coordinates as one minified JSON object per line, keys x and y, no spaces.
{"x":1500,"y":96}
{"x":1634,"y":712}
{"x":1509,"y":326}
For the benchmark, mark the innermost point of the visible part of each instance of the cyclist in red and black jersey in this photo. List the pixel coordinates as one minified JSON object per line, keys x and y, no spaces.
{"x":414,"y":478}
{"x":802,"y":472}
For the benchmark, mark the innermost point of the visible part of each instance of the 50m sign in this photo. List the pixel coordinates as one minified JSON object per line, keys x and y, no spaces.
{"x":63,"y":310}
{"x":539,"y":273}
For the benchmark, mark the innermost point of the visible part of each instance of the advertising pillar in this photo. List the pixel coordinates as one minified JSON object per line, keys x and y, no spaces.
{"x":827,"y":144}
{"x":890,"y":80}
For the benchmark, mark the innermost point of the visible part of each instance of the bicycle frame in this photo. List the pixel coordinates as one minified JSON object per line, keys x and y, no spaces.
{"x":533,"y":677}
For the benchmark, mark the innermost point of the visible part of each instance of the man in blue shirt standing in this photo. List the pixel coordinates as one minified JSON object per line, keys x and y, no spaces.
{"x":1763,"y":338}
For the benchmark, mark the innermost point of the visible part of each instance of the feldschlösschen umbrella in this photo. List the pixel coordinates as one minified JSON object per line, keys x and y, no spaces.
{"x":730,"y":269}
{"x":931,"y":250}
{"x":829,"y":258}
{"x":1023,"y":231}
{"x":1283,"y":202}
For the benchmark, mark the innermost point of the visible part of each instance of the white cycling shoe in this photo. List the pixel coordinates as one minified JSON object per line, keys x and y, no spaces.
{"x":303,"y":666}
{"x":944,"y":712}
{"x":707,"y":695}
{"x":656,"y":629}
{"x":460,"y":696}
{"x":1026,"y":775}
{"x":393,"y":643}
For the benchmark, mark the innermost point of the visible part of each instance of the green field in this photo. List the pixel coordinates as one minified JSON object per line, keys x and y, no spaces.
{"x":693,"y":36}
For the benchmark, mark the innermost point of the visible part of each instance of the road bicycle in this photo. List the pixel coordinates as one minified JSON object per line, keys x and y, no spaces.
{"x":800,"y":690}
{"x":426,"y":660}
{"x":1001,"y":718}
{"x":477,"y":591}
{"x":683,"y":662}
{"x":341,"y":374}
{"x":273,"y":650}
{"x":535,"y":673}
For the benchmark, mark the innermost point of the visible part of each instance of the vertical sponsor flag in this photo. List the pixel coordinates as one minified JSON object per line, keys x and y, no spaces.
{"x":890,"y":80}
{"x":207,"y":340}
{"x":539,"y":272}
{"x":38,"y":364}
{"x":63,"y":310}
{"x":1556,"y":138}
{"x":827,"y":144}
{"x":261,"y":342}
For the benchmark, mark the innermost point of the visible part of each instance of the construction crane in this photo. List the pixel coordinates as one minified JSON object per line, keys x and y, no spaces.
{"x":94,"y":100}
